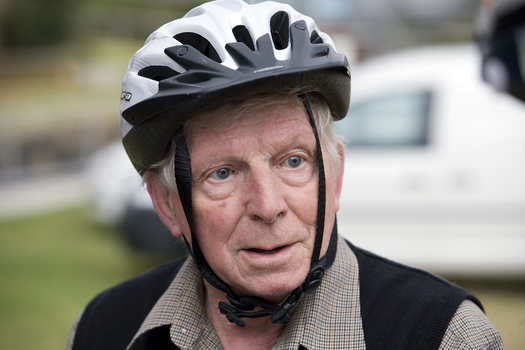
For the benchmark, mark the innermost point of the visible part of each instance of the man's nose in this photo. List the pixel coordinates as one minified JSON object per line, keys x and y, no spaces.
{"x":266,"y":200}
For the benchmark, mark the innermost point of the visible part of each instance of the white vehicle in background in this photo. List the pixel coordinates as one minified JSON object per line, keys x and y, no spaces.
{"x":119,"y":200}
{"x":435,"y":164}
{"x":434,"y":171}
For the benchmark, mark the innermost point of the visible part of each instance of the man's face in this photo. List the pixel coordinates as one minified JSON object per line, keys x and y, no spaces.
{"x":255,"y":195}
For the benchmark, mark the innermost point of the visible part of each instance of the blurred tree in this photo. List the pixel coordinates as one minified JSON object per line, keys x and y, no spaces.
{"x":29,"y":23}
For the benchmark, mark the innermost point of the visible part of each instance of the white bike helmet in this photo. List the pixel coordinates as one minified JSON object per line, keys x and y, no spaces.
{"x":222,"y":51}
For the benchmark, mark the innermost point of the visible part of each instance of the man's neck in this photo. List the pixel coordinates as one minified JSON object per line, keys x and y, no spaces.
{"x":259,"y":333}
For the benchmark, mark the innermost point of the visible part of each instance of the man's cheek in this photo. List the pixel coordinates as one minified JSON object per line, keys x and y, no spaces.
{"x":213,"y":220}
{"x":305,"y":207}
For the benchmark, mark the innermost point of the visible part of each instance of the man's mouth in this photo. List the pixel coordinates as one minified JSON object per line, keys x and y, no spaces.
{"x":262,"y":251}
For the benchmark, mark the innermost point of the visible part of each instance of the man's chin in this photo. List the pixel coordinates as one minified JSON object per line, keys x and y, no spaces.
{"x":276,"y":292}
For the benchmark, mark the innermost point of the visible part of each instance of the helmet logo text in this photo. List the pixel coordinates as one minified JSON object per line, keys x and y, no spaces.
{"x":125,"y":96}
{"x":267,"y":69}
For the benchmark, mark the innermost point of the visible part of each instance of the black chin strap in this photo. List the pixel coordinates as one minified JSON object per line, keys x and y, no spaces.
{"x":240,"y":307}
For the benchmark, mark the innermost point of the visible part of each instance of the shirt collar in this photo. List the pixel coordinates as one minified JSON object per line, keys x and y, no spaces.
{"x":328,"y":318}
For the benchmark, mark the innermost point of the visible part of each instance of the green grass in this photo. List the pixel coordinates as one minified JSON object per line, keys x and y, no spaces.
{"x":50,"y":267}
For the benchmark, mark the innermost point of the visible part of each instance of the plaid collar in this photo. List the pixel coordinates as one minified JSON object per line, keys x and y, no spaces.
{"x":328,"y":318}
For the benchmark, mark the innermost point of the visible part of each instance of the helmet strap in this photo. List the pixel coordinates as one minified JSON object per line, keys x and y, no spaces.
{"x":240,"y":306}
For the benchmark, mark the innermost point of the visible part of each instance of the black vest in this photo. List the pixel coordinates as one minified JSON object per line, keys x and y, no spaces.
{"x":401,"y":308}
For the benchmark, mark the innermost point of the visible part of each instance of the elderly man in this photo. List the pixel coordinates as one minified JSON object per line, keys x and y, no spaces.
{"x":228,"y":115}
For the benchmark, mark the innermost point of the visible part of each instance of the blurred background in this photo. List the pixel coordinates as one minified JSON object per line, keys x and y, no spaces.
{"x":434,"y":176}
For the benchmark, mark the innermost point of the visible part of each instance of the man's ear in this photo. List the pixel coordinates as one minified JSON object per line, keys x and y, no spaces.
{"x":164,"y":204}
{"x":338,"y":179}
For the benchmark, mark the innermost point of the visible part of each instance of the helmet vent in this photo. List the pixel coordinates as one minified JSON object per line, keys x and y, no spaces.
{"x":200,"y":44}
{"x":280,"y":29}
{"x":242,"y":35}
{"x":315,"y":38}
{"x":321,"y":53}
{"x":157,"y":73}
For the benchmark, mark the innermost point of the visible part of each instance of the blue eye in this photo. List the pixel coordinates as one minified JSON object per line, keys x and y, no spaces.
{"x":294,"y":161}
{"x":221,"y":174}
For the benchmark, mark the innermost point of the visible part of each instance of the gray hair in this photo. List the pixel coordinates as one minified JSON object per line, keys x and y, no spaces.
{"x":330,"y":141}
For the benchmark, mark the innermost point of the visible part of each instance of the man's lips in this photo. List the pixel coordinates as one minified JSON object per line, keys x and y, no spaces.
{"x":263,"y":251}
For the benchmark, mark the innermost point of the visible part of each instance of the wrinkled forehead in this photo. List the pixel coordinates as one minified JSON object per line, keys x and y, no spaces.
{"x":262,"y":111}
